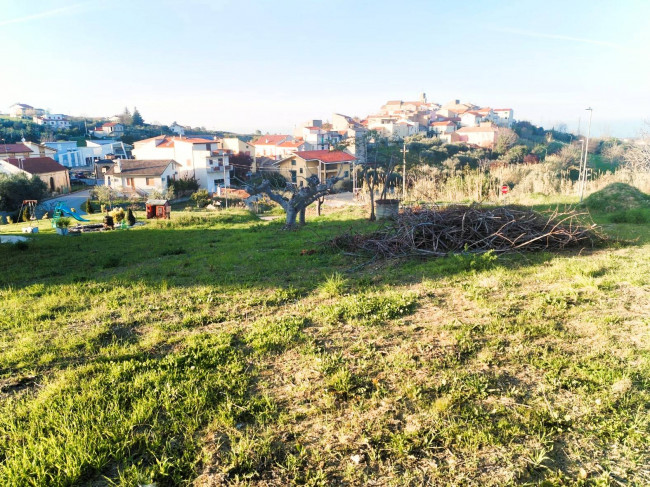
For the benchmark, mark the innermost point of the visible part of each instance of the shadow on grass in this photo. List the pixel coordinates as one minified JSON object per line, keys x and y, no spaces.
{"x":252,"y":256}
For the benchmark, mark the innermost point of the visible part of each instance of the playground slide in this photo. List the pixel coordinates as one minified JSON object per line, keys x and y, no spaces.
{"x":67,"y":212}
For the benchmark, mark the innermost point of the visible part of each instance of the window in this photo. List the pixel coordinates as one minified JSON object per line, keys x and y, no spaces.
{"x":149,"y":182}
{"x":293,"y":162}
{"x":294,"y":176}
{"x":301,"y":170}
{"x":346,"y":174}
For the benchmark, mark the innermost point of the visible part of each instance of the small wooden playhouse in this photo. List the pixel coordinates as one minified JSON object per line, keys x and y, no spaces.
{"x":158,"y":209}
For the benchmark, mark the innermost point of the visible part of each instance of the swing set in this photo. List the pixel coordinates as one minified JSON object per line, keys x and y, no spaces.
{"x":29,"y":207}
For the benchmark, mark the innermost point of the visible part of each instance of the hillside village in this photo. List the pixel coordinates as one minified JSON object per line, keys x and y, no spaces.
{"x":314,"y":148}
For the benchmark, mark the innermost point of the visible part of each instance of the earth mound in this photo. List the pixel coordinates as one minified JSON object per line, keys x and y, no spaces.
{"x":617,"y":197}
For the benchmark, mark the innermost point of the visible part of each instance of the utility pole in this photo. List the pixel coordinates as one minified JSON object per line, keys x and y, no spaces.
{"x":224,"y":183}
{"x":404,"y":172}
{"x":584,"y":176}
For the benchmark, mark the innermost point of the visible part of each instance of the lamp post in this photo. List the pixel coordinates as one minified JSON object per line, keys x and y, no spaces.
{"x":584,"y":174}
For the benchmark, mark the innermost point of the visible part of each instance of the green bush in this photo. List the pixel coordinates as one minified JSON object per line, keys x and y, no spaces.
{"x":118,"y":214}
{"x":88,"y":207}
{"x":201,"y":197}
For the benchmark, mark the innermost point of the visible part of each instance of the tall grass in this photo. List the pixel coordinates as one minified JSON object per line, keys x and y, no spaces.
{"x":525,"y":182}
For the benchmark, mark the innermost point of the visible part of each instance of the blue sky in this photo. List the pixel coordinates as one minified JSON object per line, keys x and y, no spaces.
{"x":245,"y":65}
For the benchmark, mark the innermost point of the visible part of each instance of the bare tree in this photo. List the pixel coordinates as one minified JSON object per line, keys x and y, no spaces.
{"x":506,"y":138}
{"x":300,"y":197}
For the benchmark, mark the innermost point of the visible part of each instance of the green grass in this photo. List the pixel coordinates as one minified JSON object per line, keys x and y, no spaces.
{"x":218,"y":349}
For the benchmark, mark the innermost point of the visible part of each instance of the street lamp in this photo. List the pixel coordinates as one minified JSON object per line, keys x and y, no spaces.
{"x":584,"y":173}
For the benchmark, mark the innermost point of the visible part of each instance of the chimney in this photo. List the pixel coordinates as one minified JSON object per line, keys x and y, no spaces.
{"x":457,"y":102}
{"x":118,"y":166}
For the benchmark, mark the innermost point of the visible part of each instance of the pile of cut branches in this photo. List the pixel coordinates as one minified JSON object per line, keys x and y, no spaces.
{"x":438,"y":232}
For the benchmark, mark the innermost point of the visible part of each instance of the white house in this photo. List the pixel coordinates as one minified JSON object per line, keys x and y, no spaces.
{"x":218,"y":170}
{"x":112,"y":129}
{"x":505,"y":116}
{"x":131,"y":175}
{"x":268,"y":146}
{"x":177,"y":129}
{"x":485,"y":135}
{"x":237,"y":146}
{"x":56,"y":121}
{"x":470,"y":119}
{"x":443,"y":129}
{"x":20,"y":110}
{"x":192,"y":153}
{"x":40,"y":150}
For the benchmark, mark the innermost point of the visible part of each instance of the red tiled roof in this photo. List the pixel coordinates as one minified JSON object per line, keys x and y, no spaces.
{"x":167,"y":141}
{"x":13,"y":148}
{"x":440,"y":124}
{"x":478,"y":129}
{"x":291,"y":143}
{"x":326,"y":156}
{"x":502,"y":109}
{"x":270,"y":139}
{"x":37,"y":165}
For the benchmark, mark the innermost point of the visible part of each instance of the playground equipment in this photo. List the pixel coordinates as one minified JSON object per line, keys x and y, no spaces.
{"x":61,"y":210}
{"x":28,"y":206}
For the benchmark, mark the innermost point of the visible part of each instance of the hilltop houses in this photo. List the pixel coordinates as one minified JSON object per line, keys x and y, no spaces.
{"x":109,"y":129}
{"x":22,"y":110}
{"x":55,"y":121}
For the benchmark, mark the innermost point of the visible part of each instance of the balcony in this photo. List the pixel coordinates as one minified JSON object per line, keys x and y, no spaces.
{"x":219,"y":168}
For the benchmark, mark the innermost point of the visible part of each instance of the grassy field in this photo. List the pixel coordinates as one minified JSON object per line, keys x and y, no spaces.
{"x":218,"y":349}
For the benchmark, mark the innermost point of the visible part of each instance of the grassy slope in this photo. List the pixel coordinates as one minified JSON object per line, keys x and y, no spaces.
{"x":219,"y":349}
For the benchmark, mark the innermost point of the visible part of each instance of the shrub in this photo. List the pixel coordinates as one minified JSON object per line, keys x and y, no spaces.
{"x":130,"y":217}
{"x":88,"y":207}
{"x":118,"y":214}
{"x":63,"y":223}
{"x":201,"y":198}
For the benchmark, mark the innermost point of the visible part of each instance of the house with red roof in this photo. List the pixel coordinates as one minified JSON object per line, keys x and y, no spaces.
{"x":268,"y":146}
{"x":47,"y":169}
{"x":297,"y":167}
{"x":112,"y":129}
{"x":15,"y":150}
{"x":443,"y":129}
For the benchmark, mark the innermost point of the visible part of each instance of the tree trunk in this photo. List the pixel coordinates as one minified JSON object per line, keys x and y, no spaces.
{"x":320,"y":203}
{"x":302,"y":216}
{"x":372,"y":204}
{"x":291,"y":217}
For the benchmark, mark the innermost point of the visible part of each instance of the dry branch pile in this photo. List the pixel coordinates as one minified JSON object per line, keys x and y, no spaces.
{"x":472,"y":229}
